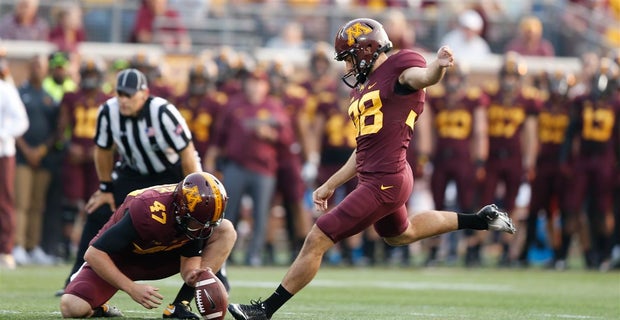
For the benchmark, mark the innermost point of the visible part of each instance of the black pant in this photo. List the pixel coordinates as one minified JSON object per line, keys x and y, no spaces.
{"x":127,"y":181}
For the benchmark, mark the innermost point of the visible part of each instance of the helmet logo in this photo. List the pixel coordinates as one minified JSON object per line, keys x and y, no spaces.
{"x":193,"y":197}
{"x":355,"y":31}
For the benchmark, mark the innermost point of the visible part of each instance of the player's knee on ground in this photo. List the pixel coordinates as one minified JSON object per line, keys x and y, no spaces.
{"x":74,"y":307}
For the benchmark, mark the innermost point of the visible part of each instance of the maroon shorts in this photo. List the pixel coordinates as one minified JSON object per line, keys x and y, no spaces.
{"x":379,"y":200}
{"x":87,"y":284}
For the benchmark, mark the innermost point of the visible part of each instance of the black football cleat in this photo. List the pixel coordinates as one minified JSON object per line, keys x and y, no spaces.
{"x":253,"y":311}
{"x":180,"y":310}
{"x":496,"y":219}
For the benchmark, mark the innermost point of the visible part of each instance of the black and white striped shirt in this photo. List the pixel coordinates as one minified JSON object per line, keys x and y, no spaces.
{"x":149,"y":143}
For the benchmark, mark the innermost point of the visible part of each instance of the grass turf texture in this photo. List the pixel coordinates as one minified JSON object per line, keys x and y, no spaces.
{"x":367,"y":293}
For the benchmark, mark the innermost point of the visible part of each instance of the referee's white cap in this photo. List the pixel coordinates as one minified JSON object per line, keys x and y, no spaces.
{"x":130,"y":81}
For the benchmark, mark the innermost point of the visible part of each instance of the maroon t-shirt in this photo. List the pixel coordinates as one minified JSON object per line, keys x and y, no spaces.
{"x":82,"y":110}
{"x":383,"y":118}
{"x":236,"y":133}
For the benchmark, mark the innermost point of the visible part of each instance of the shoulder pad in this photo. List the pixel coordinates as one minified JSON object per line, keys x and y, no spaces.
{"x":474,"y":93}
{"x":530,"y":92}
{"x":296,"y":91}
{"x":491,"y":87}
{"x":436,"y":91}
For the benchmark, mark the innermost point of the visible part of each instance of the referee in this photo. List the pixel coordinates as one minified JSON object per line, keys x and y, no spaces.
{"x":155,"y":147}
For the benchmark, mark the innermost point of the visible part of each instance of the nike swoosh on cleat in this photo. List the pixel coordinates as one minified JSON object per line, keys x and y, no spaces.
{"x":386,"y":187}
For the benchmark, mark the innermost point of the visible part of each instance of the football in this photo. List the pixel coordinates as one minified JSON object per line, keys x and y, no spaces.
{"x":211,"y":296}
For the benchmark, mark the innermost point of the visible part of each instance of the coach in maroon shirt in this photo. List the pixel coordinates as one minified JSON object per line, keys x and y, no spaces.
{"x":249,"y":132}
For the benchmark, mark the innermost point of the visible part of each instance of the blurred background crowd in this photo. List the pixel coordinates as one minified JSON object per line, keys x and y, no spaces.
{"x":526,"y":71}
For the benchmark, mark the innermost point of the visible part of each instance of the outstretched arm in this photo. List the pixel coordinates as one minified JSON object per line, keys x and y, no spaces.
{"x":420,"y":78}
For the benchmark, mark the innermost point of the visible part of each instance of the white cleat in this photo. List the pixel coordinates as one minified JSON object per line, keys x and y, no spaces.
{"x":497,"y":220}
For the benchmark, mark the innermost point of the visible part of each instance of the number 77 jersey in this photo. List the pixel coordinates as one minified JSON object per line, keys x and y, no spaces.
{"x":384,"y":113}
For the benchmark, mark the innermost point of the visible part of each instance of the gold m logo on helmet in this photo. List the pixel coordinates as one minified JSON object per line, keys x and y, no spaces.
{"x":193,"y":197}
{"x":355,"y":31}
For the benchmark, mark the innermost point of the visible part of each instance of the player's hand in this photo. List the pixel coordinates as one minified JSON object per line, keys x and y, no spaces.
{"x":146,"y":295}
{"x":98,"y":199}
{"x":445,"y":57}
{"x":193,"y":275}
{"x":320,"y":197}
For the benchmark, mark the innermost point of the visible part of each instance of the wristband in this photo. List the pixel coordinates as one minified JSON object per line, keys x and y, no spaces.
{"x":106,"y":186}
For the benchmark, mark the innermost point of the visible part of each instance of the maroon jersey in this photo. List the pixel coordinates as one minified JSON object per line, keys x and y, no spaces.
{"x":236,"y":133}
{"x":454,"y":122}
{"x":553,"y":122}
{"x":338,"y":136}
{"x":596,"y":124}
{"x":384,"y":118}
{"x":81,"y":110}
{"x":294,"y":101}
{"x":152,"y":215}
{"x":200,"y":113}
{"x":506,"y":120}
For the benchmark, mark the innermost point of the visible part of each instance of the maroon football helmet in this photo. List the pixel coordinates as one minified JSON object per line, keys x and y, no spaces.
{"x":199,"y":202}
{"x":362,"y":40}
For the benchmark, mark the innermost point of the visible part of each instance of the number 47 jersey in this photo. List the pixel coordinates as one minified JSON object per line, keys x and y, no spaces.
{"x":152,"y":215}
{"x":384,"y":113}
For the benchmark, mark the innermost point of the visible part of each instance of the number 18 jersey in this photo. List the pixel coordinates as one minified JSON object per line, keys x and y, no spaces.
{"x":384,"y":113}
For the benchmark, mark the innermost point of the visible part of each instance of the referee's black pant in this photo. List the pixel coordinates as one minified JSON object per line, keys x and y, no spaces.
{"x":126,"y":181}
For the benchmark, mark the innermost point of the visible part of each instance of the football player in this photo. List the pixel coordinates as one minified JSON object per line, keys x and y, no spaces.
{"x":289,"y":184}
{"x":76,"y":129}
{"x":512,"y":121}
{"x":549,"y":184}
{"x":594,"y":130}
{"x":201,"y":103}
{"x":459,"y":115}
{"x":386,"y":98}
{"x":156,"y":233}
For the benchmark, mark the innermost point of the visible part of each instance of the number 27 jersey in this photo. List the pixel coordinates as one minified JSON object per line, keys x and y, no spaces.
{"x":384,"y":113}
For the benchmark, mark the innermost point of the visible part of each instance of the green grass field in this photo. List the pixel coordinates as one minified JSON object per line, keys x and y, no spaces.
{"x":366,"y":293}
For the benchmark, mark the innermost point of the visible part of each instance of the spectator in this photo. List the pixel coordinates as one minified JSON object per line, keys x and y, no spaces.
{"x":33,"y":175}
{"x":529,"y":41}
{"x":465,"y":39}
{"x":13,"y":123}
{"x":24,"y":23}
{"x":156,"y":23}
{"x":69,"y":31}
{"x":401,"y":32}
{"x":291,"y":37}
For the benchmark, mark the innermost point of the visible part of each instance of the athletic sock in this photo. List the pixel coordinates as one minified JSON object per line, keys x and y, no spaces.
{"x":276,"y":300}
{"x":471,"y":221}
{"x":186,"y":293}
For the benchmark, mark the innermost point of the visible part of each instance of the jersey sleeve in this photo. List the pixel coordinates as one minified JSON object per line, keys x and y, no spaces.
{"x":118,"y":237}
{"x":174,"y":127}
{"x":406,"y":59}
{"x":152,"y":215}
{"x":103,"y":133}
